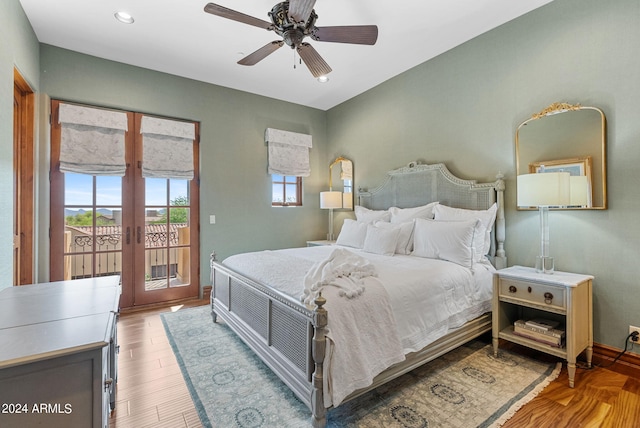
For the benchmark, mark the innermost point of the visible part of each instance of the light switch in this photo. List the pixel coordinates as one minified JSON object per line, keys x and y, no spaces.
{"x":212,"y":219}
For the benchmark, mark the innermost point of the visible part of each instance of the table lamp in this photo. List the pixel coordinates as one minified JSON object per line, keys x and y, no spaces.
{"x":330,"y":200}
{"x":544,"y":190}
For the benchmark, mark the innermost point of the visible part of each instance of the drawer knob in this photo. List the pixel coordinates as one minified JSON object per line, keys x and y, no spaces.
{"x":548,"y":297}
{"x":512,"y":289}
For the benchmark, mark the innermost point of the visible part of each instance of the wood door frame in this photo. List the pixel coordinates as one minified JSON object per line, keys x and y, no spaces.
{"x":142,"y":297}
{"x":23,"y":156}
{"x":57,"y":204}
{"x":132,"y":267}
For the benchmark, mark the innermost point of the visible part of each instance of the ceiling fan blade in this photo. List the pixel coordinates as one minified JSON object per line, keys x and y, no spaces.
{"x":224,"y":12}
{"x":312,"y":59}
{"x":299,"y":10}
{"x":262,"y":53}
{"x":357,"y":34}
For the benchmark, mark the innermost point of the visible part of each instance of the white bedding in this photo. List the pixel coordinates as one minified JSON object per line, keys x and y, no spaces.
{"x":427,"y":297}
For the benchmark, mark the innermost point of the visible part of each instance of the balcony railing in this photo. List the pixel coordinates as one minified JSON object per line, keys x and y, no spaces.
{"x":166,"y":253}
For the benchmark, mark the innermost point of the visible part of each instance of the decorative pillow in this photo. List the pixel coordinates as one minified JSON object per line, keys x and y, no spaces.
{"x":405,"y":235}
{"x":371,"y":216}
{"x":445,"y":240}
{"x":482,"y":240}
{"x":401,"y":215}
{"x":380,"y":240}
{"x":352,"y":233}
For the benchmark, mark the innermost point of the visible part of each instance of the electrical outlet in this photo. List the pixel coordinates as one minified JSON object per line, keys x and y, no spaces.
{"x":631,"y":330}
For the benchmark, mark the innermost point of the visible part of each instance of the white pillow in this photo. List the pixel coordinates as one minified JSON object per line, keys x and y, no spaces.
{"x":400,"y":215}
{"x":445,"y":240}
{"x":371,"y":216}
{"x":380,"y":240}
{"x":482,"y":240}
{"x":352,"y":233}
{"x":405,"y":235}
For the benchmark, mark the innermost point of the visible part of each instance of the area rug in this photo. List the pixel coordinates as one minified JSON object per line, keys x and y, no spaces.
{"x":467,"y":387}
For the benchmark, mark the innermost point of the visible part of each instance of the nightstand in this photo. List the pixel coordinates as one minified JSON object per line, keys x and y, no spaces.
{"x":522,"y":293}
{"x":319,"y":243}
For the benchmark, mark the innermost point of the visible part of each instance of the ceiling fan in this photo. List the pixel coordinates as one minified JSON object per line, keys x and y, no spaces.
{"x":294,"y":20}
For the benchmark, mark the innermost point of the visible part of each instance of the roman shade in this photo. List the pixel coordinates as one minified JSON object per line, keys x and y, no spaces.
{"x":92,"y":140}
{"x":167,"y":148}
{"x":288,"y":152}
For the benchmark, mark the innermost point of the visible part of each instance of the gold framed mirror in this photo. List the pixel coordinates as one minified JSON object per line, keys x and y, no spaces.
{"x":568,"y":138}
{"x":341,"y":180}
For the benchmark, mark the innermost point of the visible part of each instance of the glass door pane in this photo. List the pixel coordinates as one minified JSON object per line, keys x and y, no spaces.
{"x":166,"y":234}
{"x":92,"y":233}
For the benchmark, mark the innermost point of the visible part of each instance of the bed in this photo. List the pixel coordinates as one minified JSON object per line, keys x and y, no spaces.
{"x":296,"y":340}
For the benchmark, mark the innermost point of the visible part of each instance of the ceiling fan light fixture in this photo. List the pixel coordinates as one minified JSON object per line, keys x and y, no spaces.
{"x":294,"y":20}
{"x":323,"y":79}
{"x":124,"y":17}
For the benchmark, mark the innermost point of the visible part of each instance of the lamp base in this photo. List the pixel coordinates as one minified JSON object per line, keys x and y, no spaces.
{"x":544,"y":264}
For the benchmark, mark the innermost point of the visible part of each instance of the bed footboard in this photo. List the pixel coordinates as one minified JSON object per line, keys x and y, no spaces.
{"x":286,"y":335}
{"x":291,"y":338}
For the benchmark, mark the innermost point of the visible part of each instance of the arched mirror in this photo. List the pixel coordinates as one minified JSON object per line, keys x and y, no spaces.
{"x":566,"y":138}
{"x":341,"y":180}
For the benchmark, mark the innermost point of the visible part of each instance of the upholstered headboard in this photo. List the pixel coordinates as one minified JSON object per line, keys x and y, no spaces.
{"x":415,"y":185}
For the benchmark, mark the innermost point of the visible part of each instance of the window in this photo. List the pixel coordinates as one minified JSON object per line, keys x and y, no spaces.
{"x":287,"y":191}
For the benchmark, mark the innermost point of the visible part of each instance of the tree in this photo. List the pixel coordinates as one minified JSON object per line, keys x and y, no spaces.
{"x":85,"y":219}
{"x":176,"y":215}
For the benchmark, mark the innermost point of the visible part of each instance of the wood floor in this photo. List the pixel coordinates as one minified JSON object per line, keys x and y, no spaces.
{"x":152,"y":392}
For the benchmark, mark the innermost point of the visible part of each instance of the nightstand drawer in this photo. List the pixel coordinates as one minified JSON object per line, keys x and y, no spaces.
{"x":534,"y":293}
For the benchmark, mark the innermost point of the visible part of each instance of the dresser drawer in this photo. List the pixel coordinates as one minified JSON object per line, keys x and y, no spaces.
{"x":540,"y":294}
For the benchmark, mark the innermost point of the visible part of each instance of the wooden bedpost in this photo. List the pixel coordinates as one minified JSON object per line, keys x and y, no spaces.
{"x":318,"y":352}
{"x":500,"y":257}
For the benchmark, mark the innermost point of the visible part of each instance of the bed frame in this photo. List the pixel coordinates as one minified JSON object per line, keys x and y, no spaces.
{"x":290,"y":337}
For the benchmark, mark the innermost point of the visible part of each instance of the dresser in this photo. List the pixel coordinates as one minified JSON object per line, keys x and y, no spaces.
{"x":520,"y":293}
{"x":58,"y":353}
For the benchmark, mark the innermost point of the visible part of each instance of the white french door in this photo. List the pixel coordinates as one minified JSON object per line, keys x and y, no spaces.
{"x":144,"y":229}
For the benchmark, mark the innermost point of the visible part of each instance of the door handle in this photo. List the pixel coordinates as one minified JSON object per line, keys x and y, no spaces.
{"x":128,"y":235}
{"x":139,"y":233}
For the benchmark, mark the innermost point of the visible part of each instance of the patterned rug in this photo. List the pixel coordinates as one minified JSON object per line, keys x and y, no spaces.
{"x":467,"y":387}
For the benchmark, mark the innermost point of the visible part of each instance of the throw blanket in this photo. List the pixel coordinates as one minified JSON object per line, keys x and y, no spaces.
{"x":341,"y":263}
{"x":362,"y":337}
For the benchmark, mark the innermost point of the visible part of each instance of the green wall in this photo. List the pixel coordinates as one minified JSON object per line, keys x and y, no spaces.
{"x":463,"y":107}
{"x":235,"y":186}
{"x":18,"y":49}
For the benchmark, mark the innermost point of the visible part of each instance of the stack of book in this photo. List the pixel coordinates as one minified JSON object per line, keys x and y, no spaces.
{"x":541,"y":330}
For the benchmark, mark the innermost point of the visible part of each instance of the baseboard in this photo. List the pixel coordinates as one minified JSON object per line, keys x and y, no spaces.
{"x":628,"y":363}
{"x":206,"y":292}
{"x":160,"y":304}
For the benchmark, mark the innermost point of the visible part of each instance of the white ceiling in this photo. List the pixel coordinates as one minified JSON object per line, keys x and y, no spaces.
{"x":178,"y":37}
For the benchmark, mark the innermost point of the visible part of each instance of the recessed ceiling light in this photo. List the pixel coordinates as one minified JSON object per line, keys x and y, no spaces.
{"x":323,"y":79}
{"x":124,"y":17}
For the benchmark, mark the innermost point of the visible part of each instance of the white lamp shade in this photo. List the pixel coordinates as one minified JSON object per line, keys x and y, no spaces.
{"x":544,"y":189}
{"x":331,"y":199}
{"x":579,"y":190}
